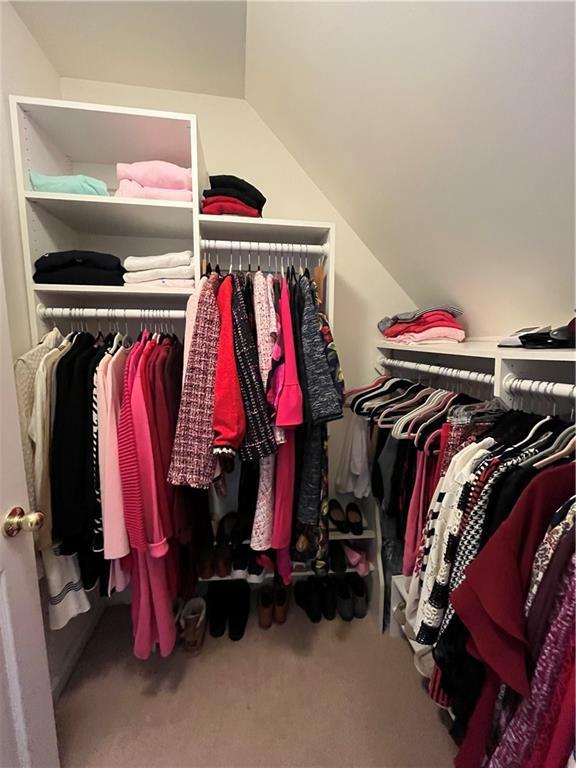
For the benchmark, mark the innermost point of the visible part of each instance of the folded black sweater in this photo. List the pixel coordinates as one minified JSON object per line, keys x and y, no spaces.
{"x":79,"y":268}
{"x":226,"y":182}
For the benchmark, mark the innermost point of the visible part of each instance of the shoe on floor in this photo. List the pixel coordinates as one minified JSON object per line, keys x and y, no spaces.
{"x":344,"y":602}
{"x":265,"y":607}
{"x":359,"y":594}
{"x":307,"y":596}
{"x":192,"y":621}
{"x":328,"y":597}
{"x":217,"y":606}
{"x":281,"y":602}
{"x":238,"y":608}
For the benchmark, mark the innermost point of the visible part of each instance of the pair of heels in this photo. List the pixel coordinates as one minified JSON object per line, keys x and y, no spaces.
{"x":346,"y":521}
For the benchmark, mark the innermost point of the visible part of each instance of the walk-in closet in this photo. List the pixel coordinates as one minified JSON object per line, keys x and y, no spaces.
{"x":288,"y":384}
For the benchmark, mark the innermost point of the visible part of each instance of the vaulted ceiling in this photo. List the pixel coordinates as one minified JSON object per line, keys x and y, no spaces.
{"x":183,"y":46}
{"x":442,"y":132}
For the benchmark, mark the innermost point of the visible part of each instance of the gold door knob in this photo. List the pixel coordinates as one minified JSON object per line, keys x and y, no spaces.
{"x":17,"y":520}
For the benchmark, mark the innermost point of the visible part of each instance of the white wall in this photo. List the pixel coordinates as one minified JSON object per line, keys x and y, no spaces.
{"x":443,"y":133}
{"x":27,"y":72}
{"x":236,"y":140}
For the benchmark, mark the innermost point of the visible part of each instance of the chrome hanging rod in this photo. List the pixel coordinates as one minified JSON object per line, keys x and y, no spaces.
{"x":514,"y":385}
{"x":437,"y":370}
{"x":295,"y":250}
{"x":107,"y":313}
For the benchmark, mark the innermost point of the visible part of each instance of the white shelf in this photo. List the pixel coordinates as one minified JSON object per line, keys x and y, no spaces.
{"x":263,"y":230}
{"x":106,"y":290}
{"x":296,"y":573}
{"x":482,"y":348}
{"x":117,"y":215}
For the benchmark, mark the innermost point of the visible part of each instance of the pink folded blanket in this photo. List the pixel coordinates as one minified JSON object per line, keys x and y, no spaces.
{"x":431,"y":335}
{"x":128,"y":188}
{"x":156,"y":173}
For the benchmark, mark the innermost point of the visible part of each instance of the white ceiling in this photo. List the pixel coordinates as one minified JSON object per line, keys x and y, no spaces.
{"x":443,"y":133}
{"x":187,"y":46}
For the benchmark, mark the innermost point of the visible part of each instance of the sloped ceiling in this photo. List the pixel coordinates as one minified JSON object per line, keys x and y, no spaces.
{"x":443,"y":133}
{"x":185,"y":46}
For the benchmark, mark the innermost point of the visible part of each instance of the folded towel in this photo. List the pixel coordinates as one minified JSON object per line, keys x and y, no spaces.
{"x":231,"y":207}
{"x":129,"y":188}
{"x":156,"y":173}
{"x":172,"y":282}
{"x":68,"y":185}
{"x":430,"y":335}
{"x":138,"y":263}
{"x":223,"y":181}
{"x":157,"y":274}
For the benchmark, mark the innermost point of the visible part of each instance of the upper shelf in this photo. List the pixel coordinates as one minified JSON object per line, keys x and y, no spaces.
{"x":263,"y":230}
{"x":482,"y":348}
{"x":117,"y":215}
{"x":136,"y":289}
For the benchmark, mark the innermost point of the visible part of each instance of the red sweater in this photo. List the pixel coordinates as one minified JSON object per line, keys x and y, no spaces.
{"x":229,"y":418}
{"x":221,"y":204}
{"x":433,"y":319}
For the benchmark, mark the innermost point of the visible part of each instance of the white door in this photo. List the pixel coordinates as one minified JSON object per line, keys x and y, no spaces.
{"x":27,"y":728}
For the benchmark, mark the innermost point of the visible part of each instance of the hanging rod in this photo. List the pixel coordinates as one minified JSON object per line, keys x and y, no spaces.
{"x":437,"y":370}
{"x":108,"y":313}
{"x":299,"y":250}
{"x":514,"y":385}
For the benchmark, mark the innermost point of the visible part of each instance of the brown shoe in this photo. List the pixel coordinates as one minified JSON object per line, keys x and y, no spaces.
{"x":223,"y":560}
{"x":265,"y":607}
{"x":192,"y":622}
{"x":280,"y":605}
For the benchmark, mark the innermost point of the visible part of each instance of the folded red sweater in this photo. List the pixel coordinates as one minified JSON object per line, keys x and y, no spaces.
{"x":220,"y":204}
{"x":429,"y":320}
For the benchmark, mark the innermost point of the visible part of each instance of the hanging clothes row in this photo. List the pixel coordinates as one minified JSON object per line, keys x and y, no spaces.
{"x":261,"y":382}
{"x":478,"y":507}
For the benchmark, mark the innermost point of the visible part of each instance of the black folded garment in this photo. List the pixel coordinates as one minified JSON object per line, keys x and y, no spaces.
{"x":80,"y":275}
{"x":244,"y":197}
{"x":224,"y":181}
{"x":79,"y":268}
{"x":559,"y":338}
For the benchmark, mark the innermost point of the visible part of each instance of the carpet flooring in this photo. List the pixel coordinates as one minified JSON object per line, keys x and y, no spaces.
{"x":297,"y":696}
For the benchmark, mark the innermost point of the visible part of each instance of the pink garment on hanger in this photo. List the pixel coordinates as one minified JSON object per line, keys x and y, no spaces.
{"x":130,"y":188}
{"x":418,"y":508}
{"x":153,"y":525}
{"x":155,"y":173}
{"x":284,"y":495}
{"x":289,"y":408}
{"x":127,"y":457}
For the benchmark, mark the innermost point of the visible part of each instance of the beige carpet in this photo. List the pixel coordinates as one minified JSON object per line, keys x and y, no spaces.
{"x":326,"y":695}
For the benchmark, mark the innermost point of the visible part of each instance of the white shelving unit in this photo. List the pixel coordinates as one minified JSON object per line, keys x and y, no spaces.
{"x":63,"y":137}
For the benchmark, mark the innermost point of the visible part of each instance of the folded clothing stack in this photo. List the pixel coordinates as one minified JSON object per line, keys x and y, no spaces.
{"x":543,"y":337}
{"x":168,"y":269}
{"x":233,"y":196}
{"x":68,"y":185}
{"x":424,"y":326}
{"x":154,"y":180}
{"x":79,"y":268}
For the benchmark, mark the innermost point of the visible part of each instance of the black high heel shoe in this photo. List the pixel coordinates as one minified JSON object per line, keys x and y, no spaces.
{"x":337,"y":516}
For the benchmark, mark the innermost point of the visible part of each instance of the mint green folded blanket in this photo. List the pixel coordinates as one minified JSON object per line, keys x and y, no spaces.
{"x":70,"y":185}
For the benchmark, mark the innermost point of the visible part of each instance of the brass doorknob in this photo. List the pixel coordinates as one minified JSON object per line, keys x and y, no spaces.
{"x":17,"y":520}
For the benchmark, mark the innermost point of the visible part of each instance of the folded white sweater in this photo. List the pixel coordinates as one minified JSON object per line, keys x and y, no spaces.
{"x":163,"y":260}
{"x":173,"y":282}
{"x":146,"y":275}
